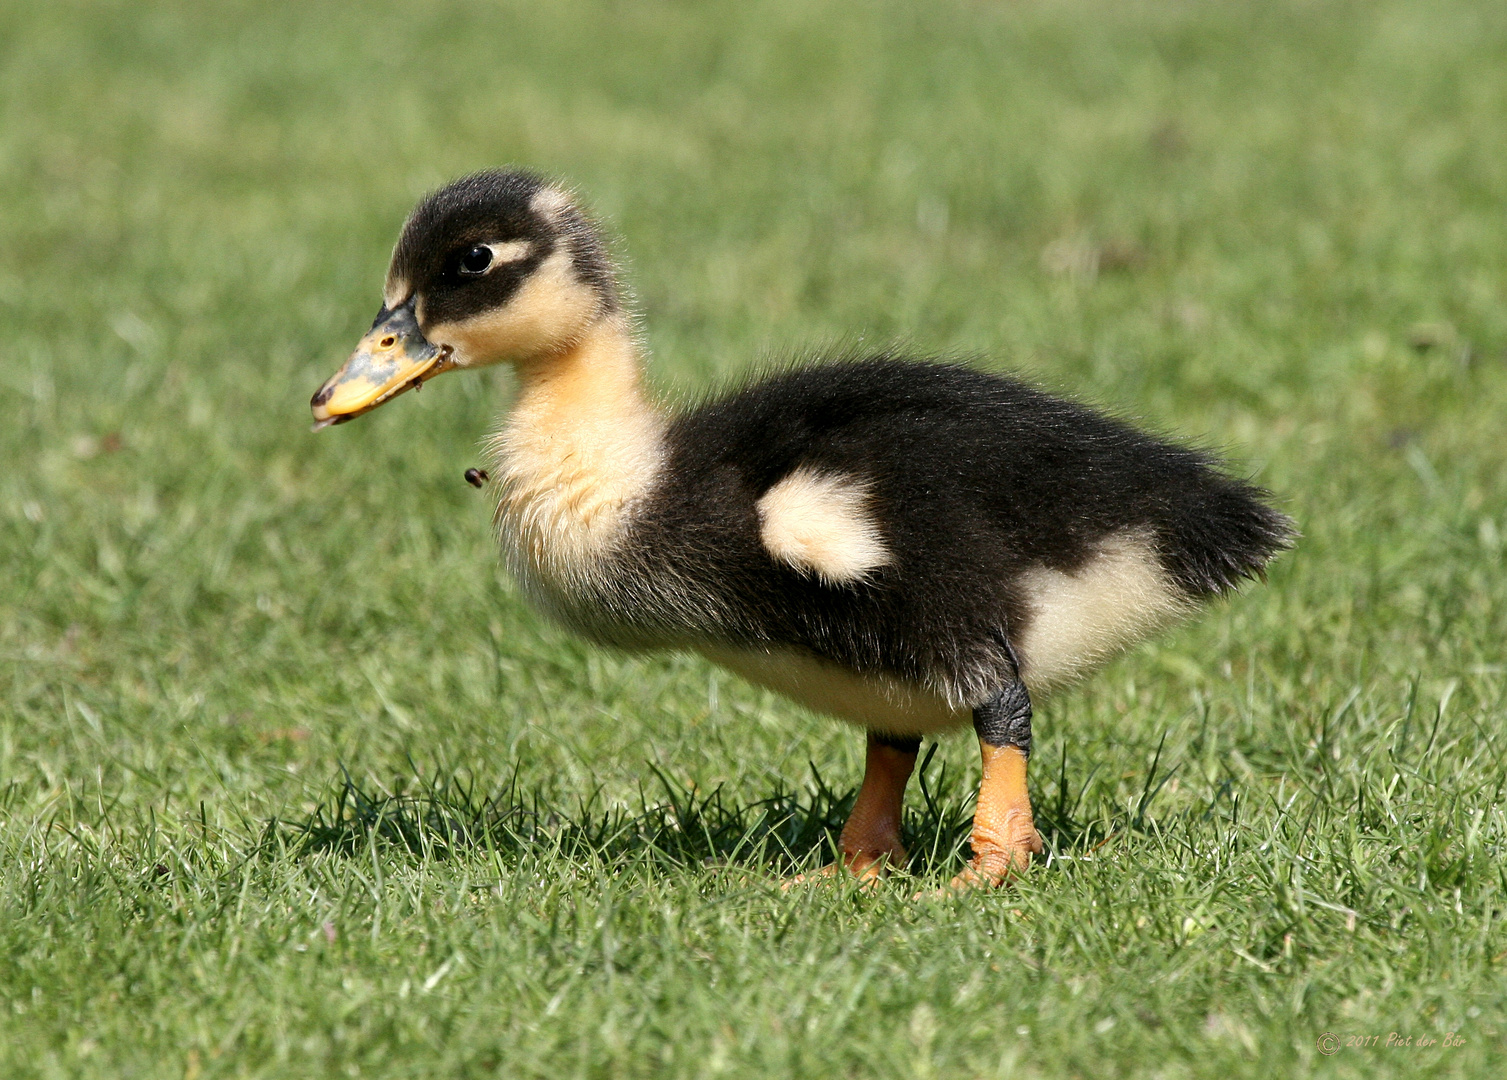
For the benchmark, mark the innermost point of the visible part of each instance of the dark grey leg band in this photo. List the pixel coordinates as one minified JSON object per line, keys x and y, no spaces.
{"x":906,"y":744}
{"x":1005,"y":719}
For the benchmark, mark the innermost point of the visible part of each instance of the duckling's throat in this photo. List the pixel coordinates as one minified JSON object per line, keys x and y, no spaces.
{"x":580,"y":448}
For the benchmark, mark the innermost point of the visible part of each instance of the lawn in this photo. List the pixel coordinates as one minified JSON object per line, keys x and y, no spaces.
{"x":292,"y":784}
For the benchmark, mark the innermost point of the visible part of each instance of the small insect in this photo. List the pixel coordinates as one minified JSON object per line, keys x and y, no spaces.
{"x":476,"y":477}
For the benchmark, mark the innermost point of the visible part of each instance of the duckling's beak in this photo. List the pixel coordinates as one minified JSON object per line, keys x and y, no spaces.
{"x":393,"y":356}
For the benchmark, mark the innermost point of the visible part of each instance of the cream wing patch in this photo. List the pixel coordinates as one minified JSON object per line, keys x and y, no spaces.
{"x":1081,"y":619}
{"x":820,"y":523}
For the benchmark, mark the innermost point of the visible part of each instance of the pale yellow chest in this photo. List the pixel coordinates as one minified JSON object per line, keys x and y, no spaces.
{"x":578,"y":451}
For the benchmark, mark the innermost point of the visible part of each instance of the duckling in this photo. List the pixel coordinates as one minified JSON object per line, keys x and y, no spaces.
{"x":910,"y":546}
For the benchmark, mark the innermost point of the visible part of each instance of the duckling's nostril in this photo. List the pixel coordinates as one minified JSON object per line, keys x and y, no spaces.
{"x":388,"y":342}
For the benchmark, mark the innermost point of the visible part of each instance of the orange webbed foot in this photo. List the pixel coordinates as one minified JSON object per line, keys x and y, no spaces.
{"x":868,"y":867}
{"x":1004,"y":830}
{"x":997,"y":863}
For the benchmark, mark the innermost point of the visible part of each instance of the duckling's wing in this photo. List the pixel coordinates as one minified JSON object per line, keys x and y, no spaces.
{"x":913,"y":518}
{"x":956,"y":460}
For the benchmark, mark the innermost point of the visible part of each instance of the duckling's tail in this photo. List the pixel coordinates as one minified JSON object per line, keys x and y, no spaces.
{"x":1222,"y":533}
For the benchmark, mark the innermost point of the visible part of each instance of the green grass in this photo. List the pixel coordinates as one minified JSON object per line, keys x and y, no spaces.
{"x":291,"y":783}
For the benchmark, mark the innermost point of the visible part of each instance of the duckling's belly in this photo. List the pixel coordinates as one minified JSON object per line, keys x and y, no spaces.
{"x":875,"y":701}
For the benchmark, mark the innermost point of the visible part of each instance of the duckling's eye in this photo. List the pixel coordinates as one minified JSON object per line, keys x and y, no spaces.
{"x":476,"y":261}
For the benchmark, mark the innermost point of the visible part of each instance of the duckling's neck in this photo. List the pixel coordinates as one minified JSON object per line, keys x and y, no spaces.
{"x":581,"y":445}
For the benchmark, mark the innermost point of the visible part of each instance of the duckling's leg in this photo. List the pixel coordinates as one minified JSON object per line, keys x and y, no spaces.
{"x":1004,"y":833}
{"x":870,"y":842}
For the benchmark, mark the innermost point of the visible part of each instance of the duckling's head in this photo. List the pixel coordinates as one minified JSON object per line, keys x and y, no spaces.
{"x":499,"y":266}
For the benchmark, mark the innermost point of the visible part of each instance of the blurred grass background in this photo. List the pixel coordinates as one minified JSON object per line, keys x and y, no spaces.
{"x":1275,"y":228}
